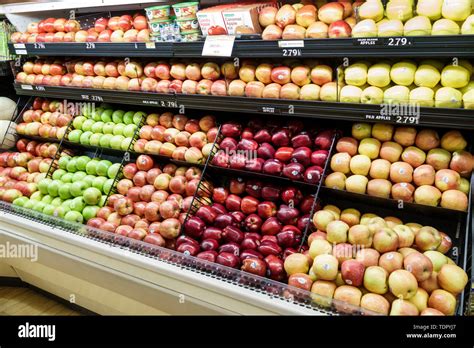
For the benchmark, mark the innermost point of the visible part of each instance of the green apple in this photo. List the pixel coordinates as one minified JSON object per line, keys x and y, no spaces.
{"x":77,"y":188}
{"x":78,"y":121}
{"x":28,"y":205}
{"x":89,"y":180}
{"x":85,"y":138}
{"x":90,"y":212}
{"x":87,"y":125}
{"x":67,"y":178}
{"x":103,"y":200}
{"x":67,"y":204}
{"x":118,"y":129}
{"x":129,"y":130}
{"x":117,"y":116}
{"x":95,"y":139}
{"x":72,"y":165}
{"x":105,"y":140}
{"x":126,"y":144}
{"x":97,"y":127}
{"x":77,"y":204}
{"x":53,"y":188}
{"x":96,"y":114}
{"x":92,"y":196}
{"x":74,"y":216}
{"x":378,"y":75}
{"x":108,"y":128}
{"x":78,"y":176}
{"x":116,"y":142}
{"x":128,"y":117}
{"x":43,"y":185}
{"x":37,"y":196}
{"x":103,"y":167}
{"x":91,"y":167}
{"x":403,"y":73}
{"x":63,"y":162}
{"x":58,"y":173}
{"x":47,"y":199}
{"x":61,"y":211}
{"x":57,"y":201}
{"x":87,"y":109}
{"x":65,"y":191}
{"x":113,"y":170}
{"x":75,"y":135}
{"x":99,"y":182}
{"x":365,"y":28}
{"x":21,"y":201}
{"x":81,"y":162}
{"x":106,"y":115}
{"x":108,"y":186}
{"x":137,"y":117}
{"x":39,"y":206}
{"x":49,"y":209}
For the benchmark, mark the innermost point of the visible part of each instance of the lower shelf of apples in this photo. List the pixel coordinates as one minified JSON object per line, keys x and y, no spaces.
{"x":115,"y":280}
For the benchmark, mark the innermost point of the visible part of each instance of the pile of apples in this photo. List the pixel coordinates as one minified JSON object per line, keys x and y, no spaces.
{"x":105,"y":127}
{"x":404,"y":163}
{"x":177,"y":136}
{"x":380,"y":265}
{"x":299,"y":21}
{"x":21,"y":171}
{"x":151,"y":203}
{"x":77,"y":190}
{"x":45,"y":119}
{"x":304,"y":80}
{"x":429,"y":83}
{"x":249,"y":225}
{"x":270,"y":148}
{"x":115,"y":29}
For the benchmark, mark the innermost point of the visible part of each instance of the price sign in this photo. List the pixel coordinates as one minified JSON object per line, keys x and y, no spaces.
{"x":398,"y":41}
{"x":90,"y":45}
{"x":27,"y":87}
{"x":367,"y":42}
{"x":20,"y":49}
{"x":150,"y":45}
{"x":39,"y":46}
{"x":407,"y":119}
{"x":269,"y":110}
{"x":218,"y":46}
{"x":291,"y":48}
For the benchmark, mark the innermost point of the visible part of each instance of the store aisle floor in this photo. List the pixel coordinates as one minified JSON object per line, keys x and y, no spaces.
{"x":25,"y":301}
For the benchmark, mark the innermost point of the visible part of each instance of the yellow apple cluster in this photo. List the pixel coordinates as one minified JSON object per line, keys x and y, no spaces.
{"x":404,"y":164}
{"x":378,"y":264}
{"x":428,"y":83}
{"x":410,"y":18}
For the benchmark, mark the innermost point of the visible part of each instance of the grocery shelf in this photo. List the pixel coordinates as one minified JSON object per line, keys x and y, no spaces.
{"x":415,"y":46}
{"x":432,"y":117}
{"x":99,"y":273}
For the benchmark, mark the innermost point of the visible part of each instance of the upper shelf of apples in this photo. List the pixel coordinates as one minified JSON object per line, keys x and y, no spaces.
{"x":45,"y":119}
{"x":115,"y":29}
{"x":20,"y":172}
{"x":151,"y":203}
{"x":398,"y":159}
{"x":429,"y":83}
{"x":271,"y":148}
{"x":367,"y":19}
{"x":248,"y":224}
{"x":379,"y":264}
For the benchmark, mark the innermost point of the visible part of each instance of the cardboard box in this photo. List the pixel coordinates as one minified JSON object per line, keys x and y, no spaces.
{"x":242,"y":16}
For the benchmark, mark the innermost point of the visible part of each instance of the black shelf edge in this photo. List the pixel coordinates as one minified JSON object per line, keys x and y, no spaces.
{"x":429,"y":117}
{"x":421,"y":46}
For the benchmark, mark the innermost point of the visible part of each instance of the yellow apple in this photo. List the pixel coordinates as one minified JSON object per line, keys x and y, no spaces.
{"x":365,"y":28}
{"x":350,"y":94}
{"x":429,"y":8}
{"x":379,"y":75}
{"x":356,"y":74}
{"x":452,"y":278}
{"x":448,"y":97}
{"x":417,"y":26}
{"x":420,"y":300}
{"x":371,"y":95}
{"x":456,"y":10}
{"x":468,"y":99}
{"x":371,"y":10}
{"x":422,"y":96}
{"x":390,"y":27}
{"x":403,"y":73}
{"x":397,"y":95}
{"x":445,"y":27}
{"x":468,"y":26}
{"x":427,"y":76}
{"x":455,"y":76}
{"x":399,"y":9}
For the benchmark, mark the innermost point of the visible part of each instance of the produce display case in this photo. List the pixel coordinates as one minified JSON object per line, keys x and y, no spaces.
{"x":147,"y":279}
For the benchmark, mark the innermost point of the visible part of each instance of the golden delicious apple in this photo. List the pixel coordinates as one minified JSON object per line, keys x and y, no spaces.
{"x":356,"y":74}
{"x":422,"y":96}
{"x":456,"y":10}
{"x":427,"y":76}
{"x":371,"y":10}
{"x":350,"y":94}
{"x":399,"y":9}
{"x":417,"y":26}
{"x":403,"y":73}
{"x":390,"y":27}
{"x":445,"y":26}
{"x":468,"y":99}
{"x":429,"y":8}
{"x":448,"y":97}
{"x":379,"y":75}
{"x":467,"y":27}
{"x":365,"y":28}
{"x":455,"y":76}
{"x":397,"y":95}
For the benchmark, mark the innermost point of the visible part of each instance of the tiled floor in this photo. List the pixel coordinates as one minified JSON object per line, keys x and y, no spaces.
{"x":25,"y":301}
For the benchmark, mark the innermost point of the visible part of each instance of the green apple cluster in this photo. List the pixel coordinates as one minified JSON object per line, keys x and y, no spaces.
{"x":77,"y":189}
{"x":105,"y":127}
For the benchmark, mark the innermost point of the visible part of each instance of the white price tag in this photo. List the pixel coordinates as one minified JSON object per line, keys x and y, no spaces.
{"x":28,"y":87}
{"x":290,"y":43}
{"x":218,"y":46}
{"x":150,"y":45}
{"x":19,"y":45}
{"x":21,"y":52}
